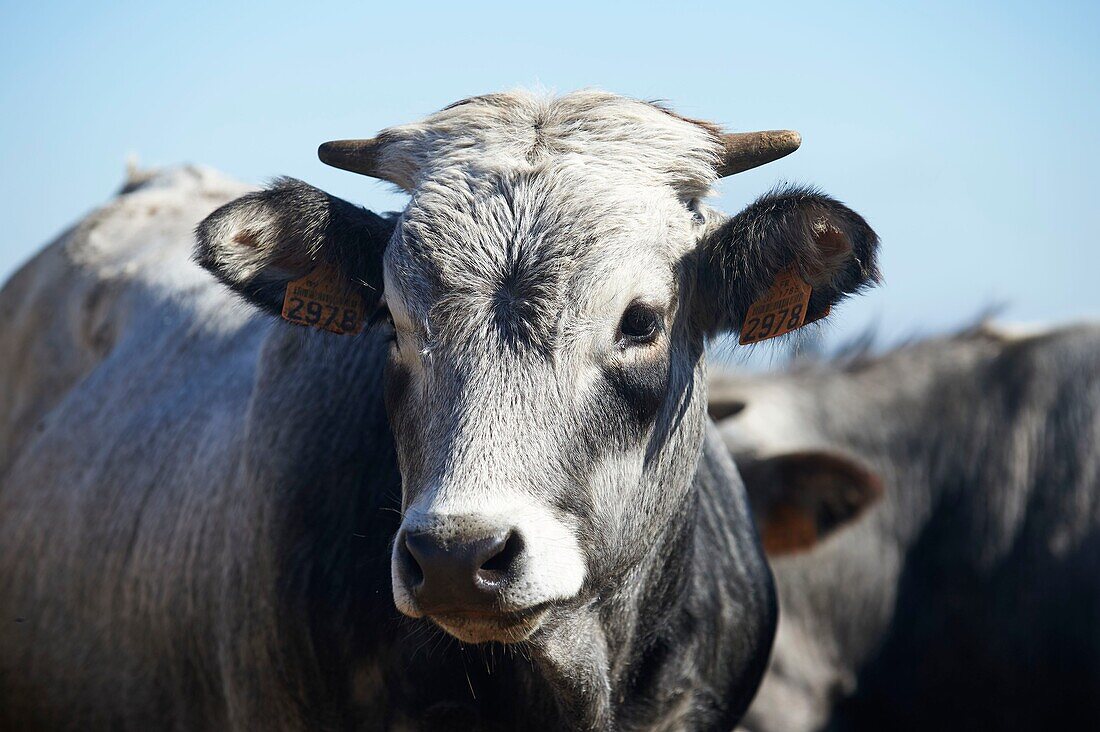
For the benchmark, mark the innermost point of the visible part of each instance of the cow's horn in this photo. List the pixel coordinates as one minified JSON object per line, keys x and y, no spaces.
{"x":358,"y":156}
{"x":746,"y":150}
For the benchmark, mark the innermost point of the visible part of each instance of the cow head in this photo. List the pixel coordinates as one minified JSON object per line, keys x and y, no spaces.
{"x":550,"y":289}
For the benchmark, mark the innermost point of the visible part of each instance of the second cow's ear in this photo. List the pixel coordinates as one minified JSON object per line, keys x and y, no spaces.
{"x":263,"y":241}
{"x":720,"y":408}
{"x":828,"y":245}
{"x":800,"y":498}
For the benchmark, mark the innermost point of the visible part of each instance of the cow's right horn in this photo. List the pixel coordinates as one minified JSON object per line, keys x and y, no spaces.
{"x":358,"y":156}
{"x":746,"y":150}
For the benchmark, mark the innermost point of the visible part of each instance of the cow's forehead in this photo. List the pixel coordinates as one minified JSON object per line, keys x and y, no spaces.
{"x":541,"y":241}
{"x":524,"y":207}
{"x":633,"y":140}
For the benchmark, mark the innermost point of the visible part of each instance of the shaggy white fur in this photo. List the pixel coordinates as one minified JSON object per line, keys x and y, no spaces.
{"x":523,"y":130}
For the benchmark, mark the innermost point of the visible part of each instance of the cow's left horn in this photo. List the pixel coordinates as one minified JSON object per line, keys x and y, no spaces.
{"x":358,"y":156}
{"x":747,"y":150}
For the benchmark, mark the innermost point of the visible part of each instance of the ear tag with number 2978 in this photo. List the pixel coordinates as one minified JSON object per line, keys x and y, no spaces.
{"x":779,"y":310}
{"x":324,"y":299}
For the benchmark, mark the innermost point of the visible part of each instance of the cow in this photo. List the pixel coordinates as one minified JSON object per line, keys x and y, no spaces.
{"x":483,"y":493}
{"x":933,"y":519}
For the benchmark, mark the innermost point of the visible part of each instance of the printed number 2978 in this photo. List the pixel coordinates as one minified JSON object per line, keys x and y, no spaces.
{"x":772,"y":324}
{"x":322,"y":316}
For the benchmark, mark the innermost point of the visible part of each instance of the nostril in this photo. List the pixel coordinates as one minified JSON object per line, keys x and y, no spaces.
{"x":414,"y":574}
{"x":452,"y":572}
{"x":504,"y":561}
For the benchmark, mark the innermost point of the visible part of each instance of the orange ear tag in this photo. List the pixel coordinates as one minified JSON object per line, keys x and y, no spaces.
{"x":324,"y":299}
{"x":779,"y":310}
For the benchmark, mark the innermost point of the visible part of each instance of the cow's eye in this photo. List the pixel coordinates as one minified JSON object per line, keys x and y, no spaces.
{"x":383,"y":320}
{"x":640,"y":325}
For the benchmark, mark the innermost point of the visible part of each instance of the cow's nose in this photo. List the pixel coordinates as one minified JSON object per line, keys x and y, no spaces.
{"x":460,"y":575}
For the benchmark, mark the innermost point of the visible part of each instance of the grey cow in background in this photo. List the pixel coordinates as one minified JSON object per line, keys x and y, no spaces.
{"x":499,"y":506}
{"x":933,"y":520}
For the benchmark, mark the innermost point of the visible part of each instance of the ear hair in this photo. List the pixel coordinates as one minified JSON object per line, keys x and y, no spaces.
{"x":830,"y":246}
{"x":264,"y":240}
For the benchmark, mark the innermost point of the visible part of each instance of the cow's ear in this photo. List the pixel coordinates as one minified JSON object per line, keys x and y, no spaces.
{"x":720,"y":407}
{"x":260,"y":242}
{"x":800,"y":498}
{"x":829,"y":246}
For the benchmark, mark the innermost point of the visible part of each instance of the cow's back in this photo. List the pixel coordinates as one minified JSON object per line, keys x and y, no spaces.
{"x":999,"y":596}
{"x":66,"y":308}
{"x":126,"y":378}
{"x":967,"y":597}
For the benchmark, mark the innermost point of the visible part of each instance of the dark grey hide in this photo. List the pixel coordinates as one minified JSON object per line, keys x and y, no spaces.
{"x":967,"y":596}
{"x":197,"y":531}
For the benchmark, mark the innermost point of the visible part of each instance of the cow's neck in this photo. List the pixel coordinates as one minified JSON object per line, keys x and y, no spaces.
{"x":597,"y":660}
{"x":678,"y":646}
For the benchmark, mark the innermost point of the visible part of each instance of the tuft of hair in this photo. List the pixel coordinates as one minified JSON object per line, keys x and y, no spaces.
{"x":136,"y":176}
{"x":523,"y":129}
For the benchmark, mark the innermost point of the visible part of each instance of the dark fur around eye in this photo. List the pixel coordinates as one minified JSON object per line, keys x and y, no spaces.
{"x":640,"y":325}
{"x":383,"y":321}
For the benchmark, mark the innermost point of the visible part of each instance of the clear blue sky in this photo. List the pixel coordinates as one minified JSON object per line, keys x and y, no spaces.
{"x":967,"y":133}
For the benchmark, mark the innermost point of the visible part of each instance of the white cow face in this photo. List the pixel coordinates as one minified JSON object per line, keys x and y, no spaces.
{"x":551,"y":286}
